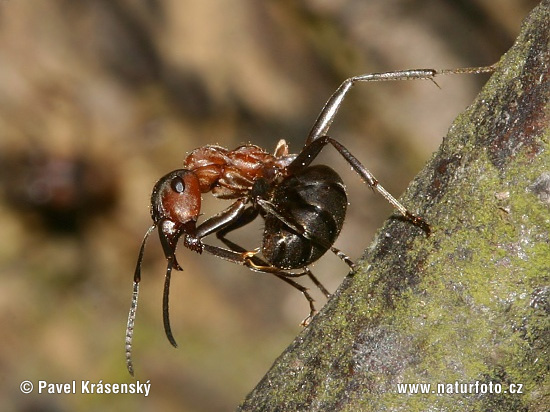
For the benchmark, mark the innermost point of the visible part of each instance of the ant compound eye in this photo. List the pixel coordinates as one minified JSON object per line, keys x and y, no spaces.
{"x":177,"y":184}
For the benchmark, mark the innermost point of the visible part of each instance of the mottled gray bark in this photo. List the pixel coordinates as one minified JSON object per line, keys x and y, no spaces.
{"x":471,"y":302}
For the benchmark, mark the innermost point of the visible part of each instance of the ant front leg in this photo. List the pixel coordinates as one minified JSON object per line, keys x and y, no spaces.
{"x":224,"y":219}
{"x":248,"y":216}
{"x":255,"y":263}
{"x":235,"y":217}
{"x":238,"y":215}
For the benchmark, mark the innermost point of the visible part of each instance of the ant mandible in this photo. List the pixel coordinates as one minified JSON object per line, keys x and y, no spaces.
{"x":303,"y":205}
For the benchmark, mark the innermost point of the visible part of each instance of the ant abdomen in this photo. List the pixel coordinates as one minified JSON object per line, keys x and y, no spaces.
{"x":312,"y":206}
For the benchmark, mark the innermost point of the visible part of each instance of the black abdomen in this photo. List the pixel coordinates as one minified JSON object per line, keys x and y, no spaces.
{"x":314,"y":201}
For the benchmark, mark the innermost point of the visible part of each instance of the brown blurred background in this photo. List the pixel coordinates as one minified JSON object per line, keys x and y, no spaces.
{"x":99,"y":98}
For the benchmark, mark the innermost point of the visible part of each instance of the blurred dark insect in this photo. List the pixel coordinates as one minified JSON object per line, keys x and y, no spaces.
{"x":61,"y":192}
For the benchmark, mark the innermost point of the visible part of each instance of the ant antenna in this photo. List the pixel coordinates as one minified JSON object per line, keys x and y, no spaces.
{"x":133,"y":305}
{"x":130,"y":328}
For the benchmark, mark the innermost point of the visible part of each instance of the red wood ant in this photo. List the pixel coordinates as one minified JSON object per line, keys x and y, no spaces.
{"x":303,"y":205}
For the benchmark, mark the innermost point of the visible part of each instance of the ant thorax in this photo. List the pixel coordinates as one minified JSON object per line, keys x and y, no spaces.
{"x":230,"y":174}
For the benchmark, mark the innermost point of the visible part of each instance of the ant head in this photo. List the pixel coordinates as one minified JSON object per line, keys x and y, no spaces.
{"x":175,"y":208}
{"x":176,"y":197}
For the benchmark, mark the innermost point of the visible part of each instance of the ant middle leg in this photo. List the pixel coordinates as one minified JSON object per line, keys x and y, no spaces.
{"x":310,"y":152}
{"x":255,"y":263}
{"x":237,"y":254}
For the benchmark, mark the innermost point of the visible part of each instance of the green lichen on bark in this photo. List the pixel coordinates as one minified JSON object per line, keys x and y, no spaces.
{"x":471,"y":302}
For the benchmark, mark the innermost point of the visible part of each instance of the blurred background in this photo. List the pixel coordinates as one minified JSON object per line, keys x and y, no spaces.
{"x":99,"y":98}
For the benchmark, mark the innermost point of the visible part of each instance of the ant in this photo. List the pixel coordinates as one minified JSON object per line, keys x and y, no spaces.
{"x":303,"y":205}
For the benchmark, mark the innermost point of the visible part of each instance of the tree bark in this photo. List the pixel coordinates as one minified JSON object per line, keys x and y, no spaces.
{"x":471,"y":302}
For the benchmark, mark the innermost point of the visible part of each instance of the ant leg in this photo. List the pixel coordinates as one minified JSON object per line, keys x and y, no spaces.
{"x":236,"y":216}
{"x":310,"y":152}
{"x":248,"y":216}
{"x":253,"y":261}
{"x":223,"y":219}
{"x":345,"y":258}
{"x":256,"y":264}
{"x":317,"y":283}
{"x":328,"y":113}
{"x":372,"y":182}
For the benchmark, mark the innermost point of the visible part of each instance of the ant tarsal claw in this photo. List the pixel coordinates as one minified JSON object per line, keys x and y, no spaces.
{"x":247,"y":258}
{"x":248,"y":255}
{"x":308,"y":319}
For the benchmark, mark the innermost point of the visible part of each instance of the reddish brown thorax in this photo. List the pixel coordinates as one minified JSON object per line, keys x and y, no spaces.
{"x":230,"y":174}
